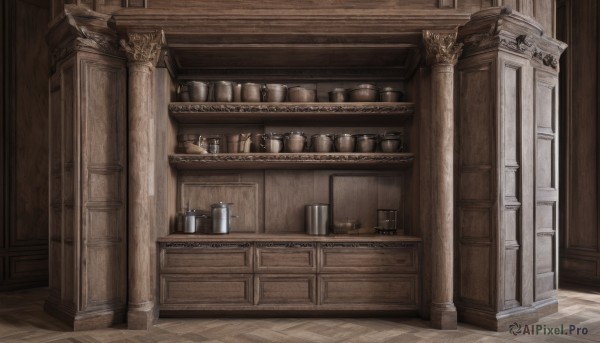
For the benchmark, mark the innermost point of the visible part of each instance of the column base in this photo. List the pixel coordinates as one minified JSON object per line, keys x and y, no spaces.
{"x":141,"y":318}
{"x":443,"y":317}
{"x":80,"y":321}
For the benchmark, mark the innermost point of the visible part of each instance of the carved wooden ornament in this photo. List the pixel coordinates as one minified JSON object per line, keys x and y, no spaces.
{"x":143,"y":47}
{"x":441,"y":47}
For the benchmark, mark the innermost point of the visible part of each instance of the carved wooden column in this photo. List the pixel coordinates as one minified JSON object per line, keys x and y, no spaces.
{"x":442,"y":54}
{"x":142,"y":50}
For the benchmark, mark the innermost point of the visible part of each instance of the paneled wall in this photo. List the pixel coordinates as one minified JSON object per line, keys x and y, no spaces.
{"x":24,"y":205}
{"x":579,"y":26}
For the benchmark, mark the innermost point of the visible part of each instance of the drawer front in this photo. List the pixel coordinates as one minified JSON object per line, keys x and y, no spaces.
{"x":347,"y":289}
{"x":227,"y":259}
{"x":366,"y":259}
{"x":285,"y":258}
{"x":206,"y":289}
{"x":282,"y":289}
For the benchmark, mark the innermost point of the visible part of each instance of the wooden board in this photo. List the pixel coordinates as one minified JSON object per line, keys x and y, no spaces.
{"x":357,"y":197}
{"x":243,"y":196}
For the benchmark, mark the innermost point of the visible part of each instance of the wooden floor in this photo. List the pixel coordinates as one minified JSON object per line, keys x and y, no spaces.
{"x":23,"y":320}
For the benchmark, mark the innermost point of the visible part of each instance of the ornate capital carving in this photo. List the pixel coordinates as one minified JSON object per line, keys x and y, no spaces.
{"x":441,"y":47}
{"x":143,"y":47}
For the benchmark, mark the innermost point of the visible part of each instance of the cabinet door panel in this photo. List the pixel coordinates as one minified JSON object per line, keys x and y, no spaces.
{"x":368,"y":260}
{"x":210,"y":260}
{"x":206,"y":289}
{"x":281,"y":289}
{"x":352,"y":289}
{"x":289,"y":259}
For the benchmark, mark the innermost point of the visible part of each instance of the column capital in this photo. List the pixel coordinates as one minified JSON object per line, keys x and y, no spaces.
{"x":143,"y":47}
{"x":441,"y":47}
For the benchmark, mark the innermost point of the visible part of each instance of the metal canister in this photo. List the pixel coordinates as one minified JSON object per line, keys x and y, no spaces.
{"x":220,"y":217}
{"x":387,"y":219}
{"x":190,"y":222}
{"x":317,"y":219}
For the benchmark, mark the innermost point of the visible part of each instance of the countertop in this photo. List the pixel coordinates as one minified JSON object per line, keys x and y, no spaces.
{"x":283,"y":237}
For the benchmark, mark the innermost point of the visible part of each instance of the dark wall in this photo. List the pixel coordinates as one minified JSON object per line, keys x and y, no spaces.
{"x":24,"y":236}
{"x":579,"y":26}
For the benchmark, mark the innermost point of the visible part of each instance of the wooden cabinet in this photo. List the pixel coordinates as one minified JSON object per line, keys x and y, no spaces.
{"x":507,"y":201}
{"x":288,"y":275}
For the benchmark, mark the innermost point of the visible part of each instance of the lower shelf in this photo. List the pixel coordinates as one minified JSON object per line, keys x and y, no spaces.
{"x":334,"y":160}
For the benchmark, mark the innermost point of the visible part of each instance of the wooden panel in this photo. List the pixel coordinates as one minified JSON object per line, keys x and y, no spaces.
{"x":285,"y":258}
{"x":285,"y":290}
{"x":352,"y":289}
{"x":207,"y":289}
{"x":104,"y":279}
{"x":223,"y":259}
{"x":243,"y":196}
{"x":475,"y":277}
{"x":30,"y":163}
{"x":475,"y":223}
{"x":357,"y":197}
{"x":30,"y":267}
{"x":578,"y":267}
{"x":368,"y":260}
{"x":209,"y":6}
{"x":55,"y":267}
{"x":544,"y":253}
{"x":475,"y":122}
{"x":511,"y":278}
{"x":289,"y":198}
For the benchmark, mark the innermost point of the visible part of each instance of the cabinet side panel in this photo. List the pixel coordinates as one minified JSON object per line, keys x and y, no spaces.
{"x":103,"y":181}
{"x":546,"y":215}
{"x":475,"y":186}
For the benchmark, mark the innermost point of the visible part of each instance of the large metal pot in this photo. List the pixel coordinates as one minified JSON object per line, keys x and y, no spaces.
{"x":366,"y":142}
{"x":198,"y":91}
{"x":274,"y":92}
{"x":294,"y":141}
{"x":251,"y":92}
{"x":344,"y":142}
{"x":273,"y":142}
{"x":322,"y":142}
{"x":364,"y":93}
{"x":301,"y":94}
{"x":223,"y":91}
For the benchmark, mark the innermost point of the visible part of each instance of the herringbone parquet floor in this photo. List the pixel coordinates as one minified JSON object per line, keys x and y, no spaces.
{"x":23,"y":320}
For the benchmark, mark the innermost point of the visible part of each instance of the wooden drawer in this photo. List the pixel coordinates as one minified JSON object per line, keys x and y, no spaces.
{"x":206,"y":289}
{"x":390,"y":257}
{"x":207,"y":258}
{"x":355,"y":289}
{"x":282,"y":289}
{"x":285,"y":257}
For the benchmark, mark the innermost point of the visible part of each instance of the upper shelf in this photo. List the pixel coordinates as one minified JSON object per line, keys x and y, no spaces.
{"x":311,"y":160}
{"x":269,"y":113}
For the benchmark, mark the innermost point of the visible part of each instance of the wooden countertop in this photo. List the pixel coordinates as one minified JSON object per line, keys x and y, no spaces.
{"x":265,"y":237}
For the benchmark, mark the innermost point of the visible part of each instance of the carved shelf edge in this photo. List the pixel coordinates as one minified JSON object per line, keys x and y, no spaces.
{"x":369,"y":245}
{"x":291,"y":160}
{"x":213,"y":112}
{"x":205,"y":245}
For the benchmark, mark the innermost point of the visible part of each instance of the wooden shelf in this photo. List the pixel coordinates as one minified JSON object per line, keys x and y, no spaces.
{"x":284,"y":237}
{"x":292,"y":161}
{"x":384,"y":113}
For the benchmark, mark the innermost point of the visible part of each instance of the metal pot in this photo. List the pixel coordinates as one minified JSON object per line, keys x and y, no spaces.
{"x":366,"y":142}
{"x":274,"y":92}
{"x":387,"y":219}
{"x":251,"y":92}
{"x":322,"y":142}
{"x":364,"y":93}
{"x":198,"y":91}
{"x":184,"y":94}
{"x":273,"y":142}
{"x":245,"y":142}
{"x":189,"y":225}
{"x":391,"y":141}
{"x":237,"y":92}
{"x":338,"y":95}
{"x":223,"y":91}
{"x":389,"y":94}
{"x":301,"y":94}
{"x":294,"y":142}
{"x":344,"y":142}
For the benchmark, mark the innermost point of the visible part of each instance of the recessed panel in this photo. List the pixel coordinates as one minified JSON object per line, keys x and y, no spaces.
{"x":243,"y":198}
{"x":104,"y":185}
{"x":475,"y":185}
{"x":475,"y":223}
{"x":104,"y":284}
{"x":206,"y":289}
{"x":545,"y":177}
{"x":475,"y":274}
{"x":104,"y":224}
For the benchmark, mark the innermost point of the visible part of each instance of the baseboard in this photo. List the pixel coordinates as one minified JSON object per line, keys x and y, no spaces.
{"x":88,"y":320}
{"x":501,"y":321}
